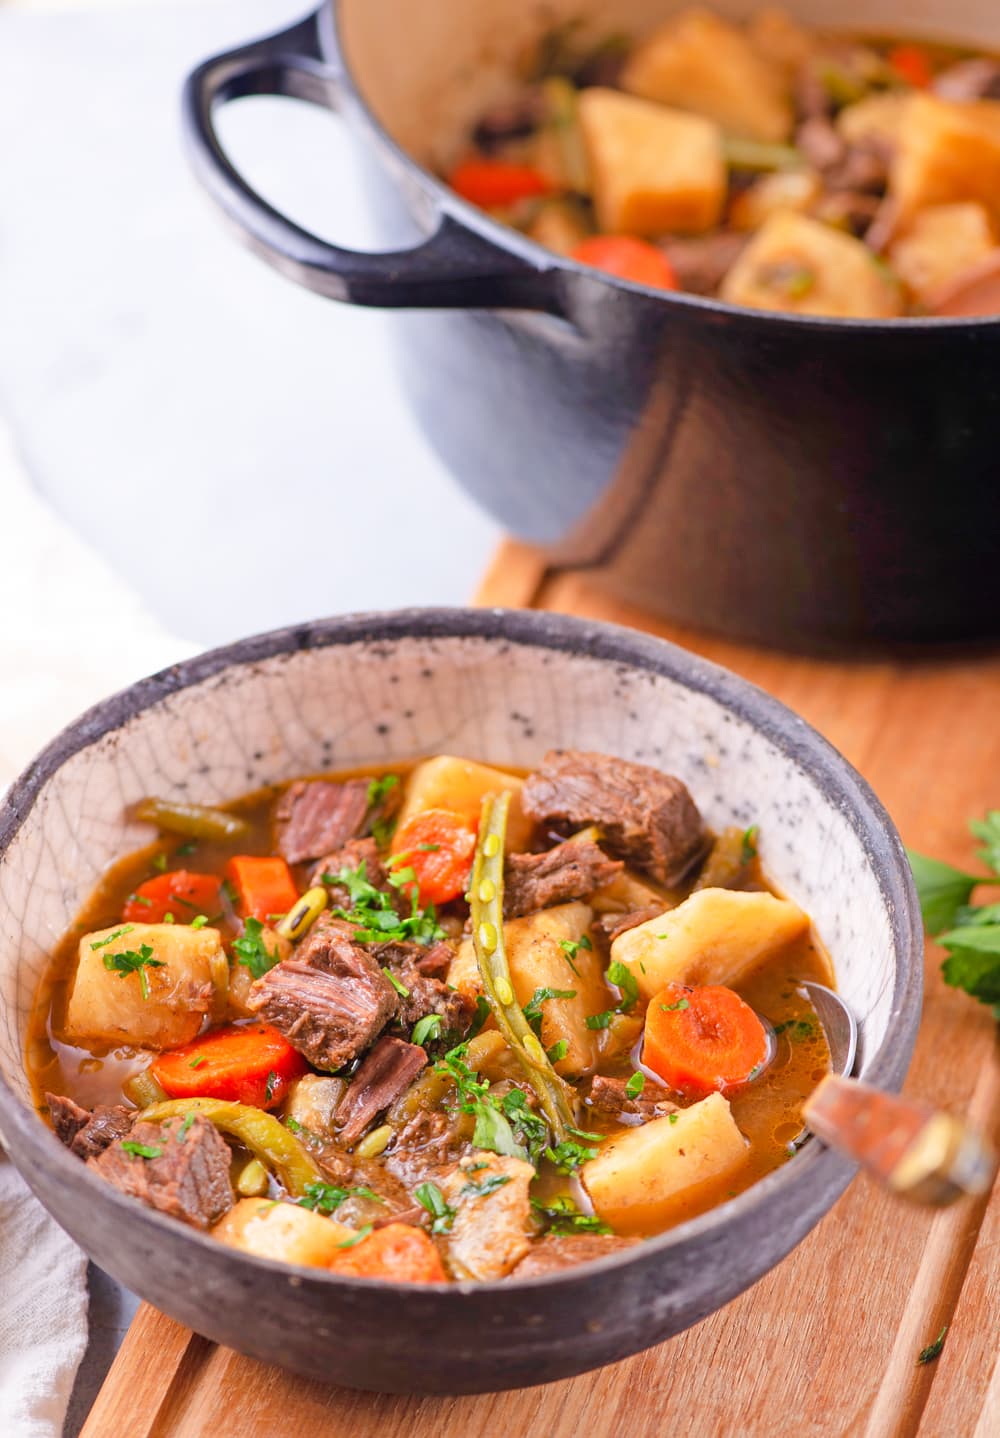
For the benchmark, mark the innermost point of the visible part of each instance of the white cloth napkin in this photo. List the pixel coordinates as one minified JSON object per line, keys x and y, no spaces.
{"x":70,"y":633}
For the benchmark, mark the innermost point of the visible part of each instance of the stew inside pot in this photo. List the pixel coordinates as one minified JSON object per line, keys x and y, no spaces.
{"x":767,"y":164}
{"x":443,"y":1023}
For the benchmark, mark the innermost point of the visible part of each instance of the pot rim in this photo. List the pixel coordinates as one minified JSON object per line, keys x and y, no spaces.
{"x":815,"y":1174}
{"x":513,"y":242}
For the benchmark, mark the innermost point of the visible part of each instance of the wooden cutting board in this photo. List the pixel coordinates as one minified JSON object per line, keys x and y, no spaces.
{"x":827,"y":1343}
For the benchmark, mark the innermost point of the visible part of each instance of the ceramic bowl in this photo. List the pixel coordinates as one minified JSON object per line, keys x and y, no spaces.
{"x":504,"y":686}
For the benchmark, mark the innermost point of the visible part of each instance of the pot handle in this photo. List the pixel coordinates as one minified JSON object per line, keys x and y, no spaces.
{"x":453,"y":268}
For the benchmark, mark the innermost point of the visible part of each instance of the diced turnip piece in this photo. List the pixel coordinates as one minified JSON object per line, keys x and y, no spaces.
{"x":490,"y":1230}
{"x":948,"y":151}
{"x":940,"y":244}
{"x":800,"y":266}
{"x":646,"y":1177}
{"x":715,"y":937}
{"x":461,"y":785}
{"x":282,"y":1231}
{"x":700,"y":62}
{"x":784,"y":190}
{"x":146,"y":985}
{"x":654,"y":169}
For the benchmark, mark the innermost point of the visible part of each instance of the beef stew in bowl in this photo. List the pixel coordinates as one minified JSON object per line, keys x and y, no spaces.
{"x":295,"y":1041}
{"x":352,"y":695}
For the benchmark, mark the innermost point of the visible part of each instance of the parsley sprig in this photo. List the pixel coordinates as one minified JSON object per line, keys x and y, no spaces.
{"x":327,"y":1197}
{"x":130,"y":961}
{"x":562,"y":1217}
{"x":251,"y":950}
{"x":375,"y":913}
{"x":429,"y":1196}
{"x":970,"y":932}
{"x":504,"y":1122}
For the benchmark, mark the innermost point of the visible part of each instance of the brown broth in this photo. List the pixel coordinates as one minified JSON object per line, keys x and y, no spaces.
{"x":768,"y":1112}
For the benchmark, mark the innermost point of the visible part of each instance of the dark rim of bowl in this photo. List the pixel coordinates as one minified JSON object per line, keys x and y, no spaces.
{"x":825,"y":1172}
{"x":516,"y":243}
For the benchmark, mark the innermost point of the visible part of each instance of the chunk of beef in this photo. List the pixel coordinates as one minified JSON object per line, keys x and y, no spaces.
{"x":702,"y":262}
{"x":351,"y":856}
{"x":315,"y":817}
{"x":821,"y":143}
{"x":554,"y":1253}
{"x":611,"y":925}
{"x":186,"y":1172}
{"x":490,"y":1231}
{"x":969,"y":80}
{"x":569,"y":871}
{"x":85,"y":1132}
{"x":428,"y":1146}
{"x":646,"y":817}
{"x":416,"y":968}
{"x":330,"y":999}
{"x":386,"y":1073}
{"x":609,"y":1095}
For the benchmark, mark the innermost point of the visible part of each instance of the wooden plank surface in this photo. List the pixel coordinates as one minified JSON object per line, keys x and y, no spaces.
{"x":827,"y":1343}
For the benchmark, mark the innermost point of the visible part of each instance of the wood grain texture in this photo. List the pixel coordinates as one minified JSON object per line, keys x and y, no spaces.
{"x":827,"y":1343}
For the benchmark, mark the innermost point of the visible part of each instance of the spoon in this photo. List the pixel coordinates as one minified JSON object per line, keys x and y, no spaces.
{"x":918,"y":1152}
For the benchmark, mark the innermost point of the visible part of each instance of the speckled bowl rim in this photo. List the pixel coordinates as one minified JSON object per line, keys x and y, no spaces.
{"x":820,"y":1174}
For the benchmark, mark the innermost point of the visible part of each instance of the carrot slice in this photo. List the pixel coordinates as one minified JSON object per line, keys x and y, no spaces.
{"x":629,"y":259}
{"x":265,"y":885}
{"x":492,"y":184}
{"x":912,"y":64}
{"x":180,"y":893}
{"x":398,"y":1251}
{"x":700,"y":1040}
{"x":245,"y":1063}
{"x":438,"y":846}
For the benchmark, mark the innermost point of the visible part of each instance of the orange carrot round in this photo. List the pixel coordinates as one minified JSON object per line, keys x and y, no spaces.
{"x":702,"y":1040}
{"x":629,"y":259}
{"x":180,"y":893}
{"x":438,"y":846}
{"x":265,"y":885}
{"x":398,"y":1252}
{"x":493,"y":184}
{"x":244,"y":1063}
{"x":912,"y":64}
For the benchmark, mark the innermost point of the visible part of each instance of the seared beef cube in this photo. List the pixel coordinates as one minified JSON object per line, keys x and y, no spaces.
{"x":386,"y":1073}
{"x":331,"y":999}
{"x":569,"y":871}
{"x":87,"y":1133}
{"x":609,"y":1095}
{"x":416,"y":969}
{"x":611,"y":925}
{"x":555,"y":1252}
{"x":315,"y":817}
{"x":180,"y":1167}
{"x":645,"y":817}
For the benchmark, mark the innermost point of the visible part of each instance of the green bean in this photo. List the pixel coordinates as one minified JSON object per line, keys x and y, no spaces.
{"x":486,"y":900}
{"x":194,"y":821}
{"x":260,"y":1132}
{"x":759,"y":155}
{"x":303,"y":914}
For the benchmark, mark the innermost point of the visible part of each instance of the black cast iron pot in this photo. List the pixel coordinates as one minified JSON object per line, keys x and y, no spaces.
{"x":810,"y":483}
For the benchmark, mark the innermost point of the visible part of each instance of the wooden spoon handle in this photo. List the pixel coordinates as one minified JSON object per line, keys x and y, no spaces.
{"x":919,"y":1152}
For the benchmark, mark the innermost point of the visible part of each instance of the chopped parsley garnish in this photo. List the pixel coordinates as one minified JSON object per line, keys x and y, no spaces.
{"x":197,"y":1063}
{"x":375,"y":914}
{"x":400,"y":987}
{"x":230,"y":890}
{"x":251,"y":950}
{"x":190,"y":846}
{"x":678,"y":1007}
{"x":529,"y":1128}
{"x":272,"y":1079}
{"x":182,"y":1132}
{"x":160,"y":863}
{"x":140,"y":899}
{"x":130,"y":962}
{"x":569,"y":1155}
{"x":430,"y":1197}
{"x":378,"y":789}
{"x":564,"y":1218}
{"x":485,"y":1186}
{"x":635,"y":1085}
{"x":357,"y":1237}
{"x":533,"y":1008}
{"x":672,"y":1117}
{"x":503,"y":1125}
{"x":116,"y":934}
{"x":481,"y":1015}
{"x":796,"y":1029}
{"x":933,"y":1350}
{"x":571,"y":947}
{"x":600,"y":1021}
{"x":142,"y":1150}
{"x":558,"y":1051}
{"x":427,"y":1029}
{"x":168,"y":918}
{"x":625,"y":982}
{"x":327,"y":1197}
{"x":748,"y":851}
{"x":428,"y":848}
{"x":199,"y":921}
